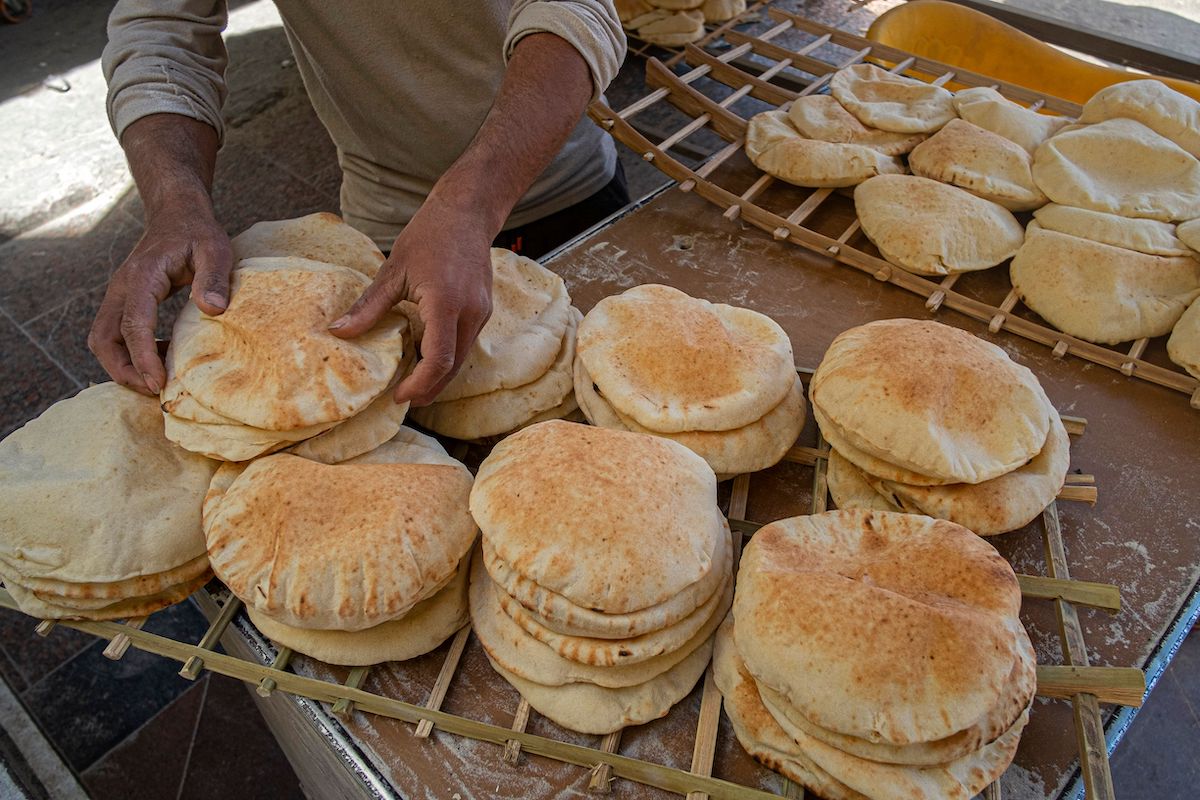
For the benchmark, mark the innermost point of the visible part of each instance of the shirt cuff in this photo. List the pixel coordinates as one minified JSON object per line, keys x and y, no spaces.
{"x":160,"y":88}
{"x":600,"y":40}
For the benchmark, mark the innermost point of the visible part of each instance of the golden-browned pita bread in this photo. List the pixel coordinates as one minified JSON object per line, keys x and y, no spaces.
{"x":1102,"y":293}
{"x":849,"y":488}
{"x":981,"y":162}
{"x":777,"y":148}
{"x":931,"y":399}
{"x":891,"y":102}
{"x":317,"y":237}
{"x":547,"y":500}
{"x":932,"y":228}
{"x":812,"y":592}
{"x":675,"y":363}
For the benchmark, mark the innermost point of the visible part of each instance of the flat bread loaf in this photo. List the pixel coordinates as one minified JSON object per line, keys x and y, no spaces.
{"x":992,"y":111}
{"x":981,"y":162}
{"x":1168,"y":113}
{"x":318,"y":237}
{"x":777,"y":148}
{"x":820,"y":116}
{"x":1147,"y":236}
{"x":891,"y":102}
{"x":1184,"y":345}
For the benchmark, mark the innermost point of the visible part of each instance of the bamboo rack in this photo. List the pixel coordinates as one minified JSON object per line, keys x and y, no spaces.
{"x":807,"y":53}
{"x":1075,"y":681}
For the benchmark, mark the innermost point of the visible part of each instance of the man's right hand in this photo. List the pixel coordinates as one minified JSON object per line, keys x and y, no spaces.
{"x":180,"y":247}
{"x":172,"y":159}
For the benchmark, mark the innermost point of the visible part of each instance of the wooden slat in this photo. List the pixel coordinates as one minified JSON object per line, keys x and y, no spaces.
{"x":445,"y":675}
{"x":1087,"y":593}
{"x":191,"y":669}
{"x":600,"y":779}
{"x":732,"y":76}
{"x":267,"y":685}
{"x":343,"y":706}
{"x":1120,"y":685}
{"x":512,"y":747}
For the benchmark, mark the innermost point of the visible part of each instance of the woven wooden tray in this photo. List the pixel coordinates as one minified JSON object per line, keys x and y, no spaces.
{"x":796,"y":57}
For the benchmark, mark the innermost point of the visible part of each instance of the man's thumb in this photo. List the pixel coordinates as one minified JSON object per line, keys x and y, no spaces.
{"x":365,"y":312}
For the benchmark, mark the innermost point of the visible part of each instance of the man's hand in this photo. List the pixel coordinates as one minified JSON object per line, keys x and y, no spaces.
{"x":441,"y":262}
{"x":172,"y":159}
{"x":178,"y":248}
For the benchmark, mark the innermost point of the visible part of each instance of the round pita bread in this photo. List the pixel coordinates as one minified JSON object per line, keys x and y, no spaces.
{"x":1184,"y":345}
{"x":344,"y":547}
{"x":1168,"y":113}
{"x":931,"y":228}
{"x":778,"y":149}
{"x":1119,"y":166}
{"x":318,"y":237}
{"x":557,"y":613}
{"x":722,"y":10}
{"x":1101,"y":293}
{"x":757,"y":731}
{"x":997,"y":506}
{"x":588,"y":708}
{"x":849,"y":488}
{"x":752,"y":447}
{"x":812,"y":596}
{"x":675,"y":363}
{"x":92,"y":492}
{"x":1189,"y":233}
{"x":867,"y":464}
{"x":504,"y":410}
{"x":522,"y":338}
{"x":102,"y":593}
{"x":127,"y":608}
{"x":429,"y":623}
{"x":931,"y":399}
{"x":545,"y":500}
{"x":511,"y":648}
{"x":992,"y":111}
{"x":628,"y":10}
{"x":1147,"y":236}
{"x":270,"y":361}
{"x":820,"y":116}
{"x":669,"y":28}
{"x":891,"y":102}
{"x":981,"y":162}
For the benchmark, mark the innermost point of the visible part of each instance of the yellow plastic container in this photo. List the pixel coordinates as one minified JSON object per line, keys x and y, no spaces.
{"x":972,"y":40}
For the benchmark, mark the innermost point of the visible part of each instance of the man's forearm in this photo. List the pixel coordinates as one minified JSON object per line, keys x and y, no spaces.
{"x":172,"y":158}
{"x":544,"y":93}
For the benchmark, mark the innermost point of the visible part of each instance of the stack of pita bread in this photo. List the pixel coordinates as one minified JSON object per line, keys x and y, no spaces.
{"x":674,"y":23}
{"x":877,"y":655}
{"x":267,"y":374}
{"x":718,"y":379}
{"x":99,"y":512}
{"x":928,"y":419}
{"x":1105,"y":262}
{"x":606,"y":567}
{"x":353,"y":563}
{"x":519,"y":369}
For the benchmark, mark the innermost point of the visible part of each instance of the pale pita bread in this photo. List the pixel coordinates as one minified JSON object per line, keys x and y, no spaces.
{"x":778,"y":149}
{"x":521,"y":339}
{"x":868,"y":464}
{"x":721,"y":10}
{"x":849,"y":487}
{"x":992,"y":111}
{"x":510,"y":647}
{"x":429,"y":623}
{"x":811,"y":593}
{"x":92,"y":492}
{"x":270,"y":361}
{"x":1147,"y":236}
{"x":544,"y":499}
{"x":981,"y":162}
{"x":1168,"y":113}
{"x":629,"y":10}
{"x":891,"y":102}
{"x":1184,"y":345}
{"x":820,"y":116}
{"x":669,"y":28}
{"x":675,"y":363}
{"x":1119,"y":166}
{"x":931,"y":228}
{"x":1189,"y":233}
{"x":317,"y":237}
{"x":505,"y":410}
{"x":931,"y":399}
{"x":344,"y":547}
{"x":559,"y":614}
{"x":588,"y":708}
{"x":1101,"y":293}
{"x":752,"y":447}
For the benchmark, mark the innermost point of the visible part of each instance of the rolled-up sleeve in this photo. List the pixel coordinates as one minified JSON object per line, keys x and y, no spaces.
{"x":590,"y":26}
{"x":165,"y":57}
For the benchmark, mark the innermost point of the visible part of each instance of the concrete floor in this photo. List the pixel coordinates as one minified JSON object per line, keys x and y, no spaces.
{"x":69,"y":215}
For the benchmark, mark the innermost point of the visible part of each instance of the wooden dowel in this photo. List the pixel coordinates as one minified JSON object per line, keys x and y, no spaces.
{"x":1009,"y":303}
{"x":992,"y":792}
{"x":801,"y":454}
{"x":512,"y":747}
{"x":120,"y":643}
{"x":1080,"y":479}
{"x":820,"y":485}
{"x":1135,"y":353}
{"x":705,"y":747}
{"x":191,"y":669}
{"x":804,"y":210}
{"x":1075,"y":425}
{"x":267,"y":686}
{"x":445,"y":675}
{"x":343,"y":706}
{"x":44,"y":627}
{"x":1079,"y":494}
{"x":601,"y":775}
{"x":935,"y":300}
{"x":1096,"y":595}
{"x":1124,"y":686}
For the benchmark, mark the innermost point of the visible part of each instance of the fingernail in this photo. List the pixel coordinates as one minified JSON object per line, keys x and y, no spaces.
{"x":215,"y":300}
{"x":340,"y":322}
{"x":151,"y":384}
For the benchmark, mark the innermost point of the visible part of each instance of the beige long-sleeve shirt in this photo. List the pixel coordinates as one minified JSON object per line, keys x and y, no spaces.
{"x":401,"y":85}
